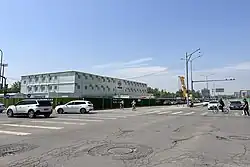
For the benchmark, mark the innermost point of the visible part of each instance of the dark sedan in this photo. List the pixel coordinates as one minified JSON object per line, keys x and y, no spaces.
{"x":236,"y":105}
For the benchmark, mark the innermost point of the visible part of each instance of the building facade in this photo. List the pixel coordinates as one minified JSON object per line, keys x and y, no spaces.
{"x":79,"y":84}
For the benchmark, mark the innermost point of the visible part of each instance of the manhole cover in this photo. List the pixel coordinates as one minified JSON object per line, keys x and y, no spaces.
{"x":12,"y":149}
{"x":121,"y":151}
{"x":239,"y":137}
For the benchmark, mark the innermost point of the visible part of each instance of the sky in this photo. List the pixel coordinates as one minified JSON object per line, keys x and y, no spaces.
{"x":129,"y":39}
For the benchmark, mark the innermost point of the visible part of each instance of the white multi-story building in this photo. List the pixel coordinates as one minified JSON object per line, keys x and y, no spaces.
{"x":79,"y":84}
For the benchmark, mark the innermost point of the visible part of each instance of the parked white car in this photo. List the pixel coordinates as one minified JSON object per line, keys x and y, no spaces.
{"x":212,"y":104}
{"x":30,"y":107}
{"x":76,"y":106}
{"x":205,"y":103}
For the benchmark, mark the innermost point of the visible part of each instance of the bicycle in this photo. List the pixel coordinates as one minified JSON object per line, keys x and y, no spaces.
{"x":216,"y":110}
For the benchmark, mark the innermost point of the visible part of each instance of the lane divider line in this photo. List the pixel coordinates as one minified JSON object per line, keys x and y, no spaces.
{"x":33,"y":126}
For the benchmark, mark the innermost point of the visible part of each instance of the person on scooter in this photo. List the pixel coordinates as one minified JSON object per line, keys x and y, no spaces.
{"x":221,"y":105}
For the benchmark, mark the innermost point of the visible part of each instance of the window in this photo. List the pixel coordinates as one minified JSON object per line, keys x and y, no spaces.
{"x":78,"y":86}
{"x":36,"y":79}
{"x":42,"y":88}
{"x":44,"y":103}
{"x":30,"y":79}
{"x":70,"y":103}
{"x":43,"y":79}
{"x":86,"y":87}
{"x":80,"y":103}
{"x":36,"y":88}
{"x":24,"y":82}
{"x":50,"y":87}
{"x":55,"y":77}
{"x":55,"y":87}
{"x":79,"y":77}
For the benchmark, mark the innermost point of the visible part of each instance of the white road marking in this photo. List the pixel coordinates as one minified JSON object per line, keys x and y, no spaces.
{"x":189,"y":113}
{"x":97,"y":118}
{"x":83,"y":120}
{"x":175,"y":113}
{"x":33,"y":126}
{"x":59,"y":122}
{"x":236,"y":114}
{"x":151,"y":112}
{"x":14,"y":133}
{"x":205,"y":113}
{"x":166,"y":112}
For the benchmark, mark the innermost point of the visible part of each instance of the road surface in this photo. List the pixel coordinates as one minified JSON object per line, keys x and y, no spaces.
{"x":149,"y":137}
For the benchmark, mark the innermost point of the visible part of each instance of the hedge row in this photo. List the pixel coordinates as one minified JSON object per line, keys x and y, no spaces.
{"x":99,"y":103}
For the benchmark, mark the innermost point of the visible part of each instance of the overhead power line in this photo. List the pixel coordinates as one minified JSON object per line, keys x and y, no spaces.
{"x":146,"y":75}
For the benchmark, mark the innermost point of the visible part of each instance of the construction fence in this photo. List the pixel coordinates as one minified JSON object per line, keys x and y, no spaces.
{"x":99,"y":103}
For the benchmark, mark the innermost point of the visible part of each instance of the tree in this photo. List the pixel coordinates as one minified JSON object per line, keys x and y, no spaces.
{"x":15,"y":87}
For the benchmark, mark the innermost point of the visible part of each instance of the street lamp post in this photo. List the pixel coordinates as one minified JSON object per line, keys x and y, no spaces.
{"x":191,"y":72}
{"x":206,"y":78}
{"x":187,"y":59}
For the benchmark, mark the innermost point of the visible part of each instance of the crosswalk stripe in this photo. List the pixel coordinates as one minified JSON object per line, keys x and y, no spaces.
{"x":166,"y":112}
{"x":14,"y":133}
{"x":177,"y":113}
{"x":58,"y":122}
{"x":33,"y":126}
{"x":83,"y":120}
{"x":205,"y":113}
{"x":189,"y":113}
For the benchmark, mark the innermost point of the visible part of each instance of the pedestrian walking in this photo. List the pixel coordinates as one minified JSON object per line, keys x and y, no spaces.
{"x":246,"y":107}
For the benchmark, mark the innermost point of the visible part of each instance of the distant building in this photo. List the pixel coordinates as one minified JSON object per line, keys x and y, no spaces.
{"x":79,"y":84}
{"x":237,"y":94}
{"x":244,"y":93}
{"x":205,"y":92}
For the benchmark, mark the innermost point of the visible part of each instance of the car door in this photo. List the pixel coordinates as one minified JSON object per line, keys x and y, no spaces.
{"x":69,"y":107}
{"x":20,"y":107}
{"x":78,"y":106}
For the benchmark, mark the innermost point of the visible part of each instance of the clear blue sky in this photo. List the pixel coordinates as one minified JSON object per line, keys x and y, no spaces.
{"x":47,"y":35}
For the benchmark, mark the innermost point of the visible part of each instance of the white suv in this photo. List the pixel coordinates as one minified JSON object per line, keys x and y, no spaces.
{"x":81,"y":106}
{"x":31,"y":107}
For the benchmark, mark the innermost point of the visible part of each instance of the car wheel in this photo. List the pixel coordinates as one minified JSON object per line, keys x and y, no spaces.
{"x":83,"y":111}
{"x":60,"y":111}
{"x":31,"y":114}
{"x":10,"y":113}
{"x":47,"y":115}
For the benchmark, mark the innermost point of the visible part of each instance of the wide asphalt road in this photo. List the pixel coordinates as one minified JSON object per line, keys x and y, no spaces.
{"x":149,"y":137}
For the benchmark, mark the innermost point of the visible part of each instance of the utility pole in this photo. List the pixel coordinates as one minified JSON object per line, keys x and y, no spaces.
{"x":1,"y":64}
{"x":187,"y":59}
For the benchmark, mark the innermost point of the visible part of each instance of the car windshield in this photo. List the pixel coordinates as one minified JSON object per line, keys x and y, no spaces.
{"x":213,"y":102}
{"x":44,"y":103}
{"x":89,"y":102}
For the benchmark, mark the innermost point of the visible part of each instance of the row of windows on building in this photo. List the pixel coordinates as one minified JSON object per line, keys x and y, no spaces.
{"x":106,"y":88}
{"x":42,"y":88}
{"x":110,"y":80}
{"x":90,"y":87}
{"x":40,"y":78}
